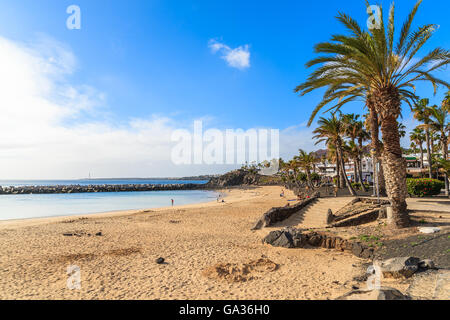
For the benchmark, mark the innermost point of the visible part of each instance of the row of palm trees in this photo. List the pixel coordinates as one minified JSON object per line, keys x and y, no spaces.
{"x":381,"y":68}
{"x":433,"y":126}
{"x":344,"y":137}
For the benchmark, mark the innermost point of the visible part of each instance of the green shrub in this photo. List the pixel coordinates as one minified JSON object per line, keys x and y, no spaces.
{"x":424,"y":187}
{"x":301,"y":176}
{"x":315,"y":176}
{"x":357,"y":185}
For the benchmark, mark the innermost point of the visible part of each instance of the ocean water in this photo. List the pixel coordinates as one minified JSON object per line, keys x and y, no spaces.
{"x":86,"y":182}
{"x":55,"y":205}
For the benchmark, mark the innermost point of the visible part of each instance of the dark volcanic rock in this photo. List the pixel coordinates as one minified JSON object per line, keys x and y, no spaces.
{"x":280,"y":239}
{"x":284,"y":240}
{"x":433,"y":246}
{"x":271,"y":237}
{"x":296,"y":238}
{"x":357,"y":249}
{"x":97,"y":188}
{"x":367,"y":253}
{"x":315,"y":240}
{"x":427,"y":264}
{"x":402,"y":267}
{"x":233,"y":178}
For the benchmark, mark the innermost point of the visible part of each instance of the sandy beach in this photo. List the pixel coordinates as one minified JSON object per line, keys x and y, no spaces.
{"x":200,"y":244}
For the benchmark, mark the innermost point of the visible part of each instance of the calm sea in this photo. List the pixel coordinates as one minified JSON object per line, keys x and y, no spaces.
{"x":53,"y":205}
{"x":85,"y":182}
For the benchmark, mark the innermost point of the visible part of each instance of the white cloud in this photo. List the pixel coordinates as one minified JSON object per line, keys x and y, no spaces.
{"x":53,"y":129}
{"x":297,"y":137}
{"x":237,"y":58}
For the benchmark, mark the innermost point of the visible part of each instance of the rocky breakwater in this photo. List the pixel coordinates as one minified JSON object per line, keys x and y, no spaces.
{"x":298,"y":238}
{"x":234,"y":178}
{"x":243,"y":177}
{"x":97,"y":188}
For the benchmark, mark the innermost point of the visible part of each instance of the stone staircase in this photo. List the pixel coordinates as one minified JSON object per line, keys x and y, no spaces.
{"x":315,"y":214}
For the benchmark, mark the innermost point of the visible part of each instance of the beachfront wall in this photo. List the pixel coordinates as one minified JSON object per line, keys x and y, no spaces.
{"x":276,"y":215}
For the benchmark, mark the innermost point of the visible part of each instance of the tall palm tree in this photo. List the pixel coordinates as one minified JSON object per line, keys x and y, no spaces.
{"x":435,"y":141}
{"x":351,"y":149}
{"x":446,"y":102}
{"x":438,"y":123}
{"x":376,"y":146}
{"x":331,"y":131}
{"x":332,"y":157}
{"x":422,"y":113}
{"x":413,"y":148}
{"x":362,"y":135}
{"x":418,"y":137}
{"x":307,"y":162}
{"x":350,"y":131}
{"x":354,"y":130}
{"x":401,"y":130}
{"x":370,"y":64}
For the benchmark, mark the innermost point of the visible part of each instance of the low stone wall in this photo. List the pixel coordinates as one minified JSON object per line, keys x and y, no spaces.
{"x":275,"y":215}
{"x":353,"y":216}
{"x":362,"y":218}
{"x":97,"y":188}
{"x":374,"y":201}
{"x":295,"y":238}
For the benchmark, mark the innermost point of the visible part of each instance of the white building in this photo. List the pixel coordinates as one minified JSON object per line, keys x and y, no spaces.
{"x":329,"y":169}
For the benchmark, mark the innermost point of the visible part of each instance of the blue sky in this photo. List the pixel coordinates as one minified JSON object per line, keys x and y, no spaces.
{"x":153,"y":59}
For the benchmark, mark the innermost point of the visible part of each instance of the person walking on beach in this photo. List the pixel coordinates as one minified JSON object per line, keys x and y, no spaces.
{"x":172,"y":202}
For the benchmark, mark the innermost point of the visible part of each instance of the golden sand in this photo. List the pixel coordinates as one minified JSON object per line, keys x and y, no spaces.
{"x":204,"y":246}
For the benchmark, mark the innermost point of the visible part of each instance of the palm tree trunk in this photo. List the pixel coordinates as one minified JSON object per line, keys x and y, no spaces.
{"x":430,"y":164}
{"x":308,"y":178}
{"x":360,"y":163}
{"x":376,"y":145}
{"x":444,"y":155}
{"x":338,"y":171}
{"x":342,"y":178}
{"x":421,"y":156}
{"x":381,"y":181}
{"x":360,"y":176}
{"x":341,"y":159}
{"x":394,"y":165}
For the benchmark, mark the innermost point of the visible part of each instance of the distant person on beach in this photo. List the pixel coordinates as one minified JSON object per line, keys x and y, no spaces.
{"x":172,"y":202}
